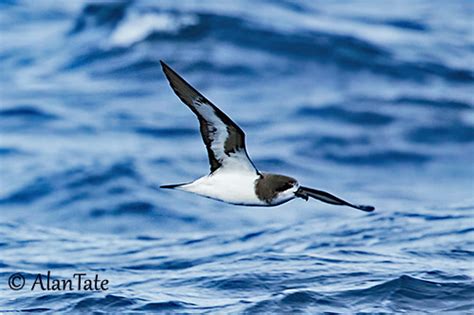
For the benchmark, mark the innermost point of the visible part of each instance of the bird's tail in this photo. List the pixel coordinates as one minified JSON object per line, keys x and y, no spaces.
{"x":172,"y":186}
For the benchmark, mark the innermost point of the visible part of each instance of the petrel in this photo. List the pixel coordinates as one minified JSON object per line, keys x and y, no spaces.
{"x":234,"y":178}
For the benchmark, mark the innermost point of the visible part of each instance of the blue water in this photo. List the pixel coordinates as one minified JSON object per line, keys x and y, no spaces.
{"x":372,"y":101}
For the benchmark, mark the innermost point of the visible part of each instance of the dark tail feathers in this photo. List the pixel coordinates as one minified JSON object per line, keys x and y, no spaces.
{"x":171,"y":186}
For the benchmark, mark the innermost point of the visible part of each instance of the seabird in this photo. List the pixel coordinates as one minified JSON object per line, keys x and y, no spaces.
{"x":234,"y":178}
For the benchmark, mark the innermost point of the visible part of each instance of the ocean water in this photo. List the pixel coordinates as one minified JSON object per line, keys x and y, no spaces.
{"x":371,"y":101}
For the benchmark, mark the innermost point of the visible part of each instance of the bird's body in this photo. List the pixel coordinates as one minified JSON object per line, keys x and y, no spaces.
{"x":238,"y":188}
{"x":234,"y":178}
{"x":228,"y":186}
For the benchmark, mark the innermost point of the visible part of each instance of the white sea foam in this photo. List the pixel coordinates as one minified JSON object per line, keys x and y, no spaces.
{"x":136,"y":26}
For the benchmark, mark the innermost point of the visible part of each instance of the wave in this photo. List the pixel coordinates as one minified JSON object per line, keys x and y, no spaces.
{"x":165,"y":306}
{"x":130,"y":25}
{"x":403,"y":293}
{"x":166,"y":132}
{"x":259,"y":271}
{"x":33,"y":191}
{"x":95,"y":15}
{"x":329,"y":149}
{"x":344,"y":115}
{"x":10,"y":151}
{"x":454,"y":133}
{"x":412,"y":294}
{"x":27,"y":112}
{"x":387,"y":157}
{"x":448,"y":104}
{"x":69,"y":180}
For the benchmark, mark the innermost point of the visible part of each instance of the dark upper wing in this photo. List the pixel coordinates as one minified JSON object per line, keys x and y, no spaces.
{"x":305,"y":192}
{"x":224,"y":140}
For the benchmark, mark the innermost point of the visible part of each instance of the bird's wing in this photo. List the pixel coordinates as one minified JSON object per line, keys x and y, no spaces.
{"x":305,"y":192}
{"x":224,"y":140}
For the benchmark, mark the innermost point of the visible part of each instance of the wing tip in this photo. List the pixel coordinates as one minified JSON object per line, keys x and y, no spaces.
{"x":366,"y":208}
{"x":165,"y":67}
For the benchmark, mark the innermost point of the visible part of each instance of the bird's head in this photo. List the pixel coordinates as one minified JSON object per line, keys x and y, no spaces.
{"x":276,"y":189}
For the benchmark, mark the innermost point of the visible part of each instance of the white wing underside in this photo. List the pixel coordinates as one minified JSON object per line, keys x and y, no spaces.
{"x":218,"y":132}
{"x":224,"y":140}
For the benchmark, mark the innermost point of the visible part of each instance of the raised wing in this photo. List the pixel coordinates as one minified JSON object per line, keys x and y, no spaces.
{"x":224,"y":140}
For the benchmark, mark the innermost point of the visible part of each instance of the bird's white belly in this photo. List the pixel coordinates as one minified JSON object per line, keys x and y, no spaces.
{"x":232,"y":187}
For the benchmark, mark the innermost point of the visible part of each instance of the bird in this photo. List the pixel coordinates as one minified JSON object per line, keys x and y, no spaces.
{"x":233,"y":177}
